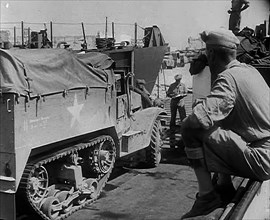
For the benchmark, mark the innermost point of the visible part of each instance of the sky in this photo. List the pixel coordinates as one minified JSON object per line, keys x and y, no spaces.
{"x":177,"y":20}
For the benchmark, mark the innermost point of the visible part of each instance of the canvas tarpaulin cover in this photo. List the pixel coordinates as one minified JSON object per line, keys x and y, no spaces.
{"x":38,"y":72}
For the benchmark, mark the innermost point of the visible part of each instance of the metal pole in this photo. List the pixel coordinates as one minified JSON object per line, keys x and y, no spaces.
{"x":14,"y":36}
{"x":158,"y":85}
{"x":136,"y":34}
{"x":113,"y":30}
{"x":84,"y":38}
{"x":51,"y":34}
{"x":29,"y":38}
{"x":106,"y":28}
{"x":164,"y":80}
{"x":22,"y":34}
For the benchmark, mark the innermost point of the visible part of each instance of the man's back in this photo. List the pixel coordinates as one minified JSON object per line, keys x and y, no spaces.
{"x":250,"y":117}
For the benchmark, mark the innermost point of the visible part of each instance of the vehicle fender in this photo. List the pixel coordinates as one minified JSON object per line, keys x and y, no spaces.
{"x":144,"y":121}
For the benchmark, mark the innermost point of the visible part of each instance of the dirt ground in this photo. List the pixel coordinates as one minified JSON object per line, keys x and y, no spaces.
{"x":162,"y":193}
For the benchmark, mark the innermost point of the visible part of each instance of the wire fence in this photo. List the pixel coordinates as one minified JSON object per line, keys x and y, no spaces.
{"x":74,"y":34}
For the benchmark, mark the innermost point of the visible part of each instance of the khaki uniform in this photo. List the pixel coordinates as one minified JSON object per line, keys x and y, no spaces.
{"x":235,"y":121}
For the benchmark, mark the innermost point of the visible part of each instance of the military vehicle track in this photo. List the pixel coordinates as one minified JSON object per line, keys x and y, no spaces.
{"x":54,"y":197}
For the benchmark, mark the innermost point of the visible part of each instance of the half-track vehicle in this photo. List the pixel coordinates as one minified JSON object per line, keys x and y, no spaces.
{"x":65,"y":119}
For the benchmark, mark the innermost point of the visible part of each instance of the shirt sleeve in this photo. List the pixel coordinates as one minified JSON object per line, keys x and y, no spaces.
{"x":218,"y":105}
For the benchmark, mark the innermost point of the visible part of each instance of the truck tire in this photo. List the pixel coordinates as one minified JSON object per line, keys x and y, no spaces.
{"x":153,"y":151}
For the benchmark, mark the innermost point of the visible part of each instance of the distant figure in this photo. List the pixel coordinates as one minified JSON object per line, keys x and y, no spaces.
{"x":177,"y":91}
{"x":140,"y":88}
{"x":235,"y":14}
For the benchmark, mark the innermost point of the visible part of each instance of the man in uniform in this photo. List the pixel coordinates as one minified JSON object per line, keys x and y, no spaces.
{"x":177,"y":91}
{"x":228,"y":132}
{"x":235,"y":14}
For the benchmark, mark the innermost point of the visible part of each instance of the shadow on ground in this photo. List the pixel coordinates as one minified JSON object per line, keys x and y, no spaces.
{"x":174,"y":156}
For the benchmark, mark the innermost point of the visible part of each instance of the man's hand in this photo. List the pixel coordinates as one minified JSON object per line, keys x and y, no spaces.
{"x":190,"y":122}
{"x":246,"y":5}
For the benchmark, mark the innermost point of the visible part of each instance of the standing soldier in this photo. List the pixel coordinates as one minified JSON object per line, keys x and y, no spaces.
{"x":177,"y":91}
{"x":235,"y":14}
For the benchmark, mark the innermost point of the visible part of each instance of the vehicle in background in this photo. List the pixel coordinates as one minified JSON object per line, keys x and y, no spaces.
{"x":169,"y":61}
{"x":62,"y":129}
{"x":173,"y":59}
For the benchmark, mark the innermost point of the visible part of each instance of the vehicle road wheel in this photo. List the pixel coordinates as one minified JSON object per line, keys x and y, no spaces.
{"x":153,"y":151}
{"x":62,"y":196}
{"x":104,"y":156}
{"x":38,"y":184}
{"x":50,"y":207}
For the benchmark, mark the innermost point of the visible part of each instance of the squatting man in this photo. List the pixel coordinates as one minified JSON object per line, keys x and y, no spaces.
{"x":228,"y":132}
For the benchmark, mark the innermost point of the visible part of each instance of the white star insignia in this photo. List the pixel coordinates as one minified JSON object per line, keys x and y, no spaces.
{"x":75,"y":111}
